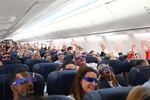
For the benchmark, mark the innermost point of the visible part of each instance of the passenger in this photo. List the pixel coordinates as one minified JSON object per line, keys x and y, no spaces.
{"x":64,"y":48}
{"x":142,"y":62}
{"x":21,"y":52}
{"x":119,"y":49}
{"x":69,"y":54}
{"x":36,"y":55}
{"x":79,"y":50}
{"x":13,"y":49}
{"x":146,"y":49}
{"x":6,"y":56}
{"x":28,"y":53}
{"x":48,"y":57}
{"x":68,"y":66}
{"x":69,"y":50}
{"x":111,"y":56}
{"x":132,"y":54}
{"x":84,"y":81}
{"x":80,"y":61}
{"x":95,"y":55}
{"x":60,"y":56}
{"x":139,"y":93}
{"x":21,"y":84}
{"x":103,"y":50}
{"x":107,"y":78}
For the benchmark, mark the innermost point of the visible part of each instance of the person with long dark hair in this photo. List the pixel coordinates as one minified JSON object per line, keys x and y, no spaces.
{"x":85,"y":81}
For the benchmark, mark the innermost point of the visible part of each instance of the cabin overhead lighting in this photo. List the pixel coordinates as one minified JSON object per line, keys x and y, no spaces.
{"x":94,"y":38}
{"x":121,"y":37}
{"x":54,"y":21}
{"x":142,"y":35}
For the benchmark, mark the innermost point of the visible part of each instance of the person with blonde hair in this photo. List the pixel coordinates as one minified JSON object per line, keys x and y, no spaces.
{"x":36,"y":55}
{"x":139,"y":93}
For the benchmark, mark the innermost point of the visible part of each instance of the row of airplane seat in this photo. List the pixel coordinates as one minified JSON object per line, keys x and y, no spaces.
{"x":58,"y":83}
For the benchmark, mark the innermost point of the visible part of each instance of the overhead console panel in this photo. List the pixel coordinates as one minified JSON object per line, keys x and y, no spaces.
{"x":92,"y":18}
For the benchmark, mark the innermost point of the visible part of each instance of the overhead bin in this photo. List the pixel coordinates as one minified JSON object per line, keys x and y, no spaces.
{"x":131,"y":13}
{"x":106,"y":17}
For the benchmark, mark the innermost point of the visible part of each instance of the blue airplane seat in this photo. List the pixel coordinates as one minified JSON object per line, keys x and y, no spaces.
{"x":45,"y":68}
{"x":139,"y":75}
{"x":68,"y":58}
{"x":11,"y":61}
{"x":116,"y":65}
{"x":38,"y":84}
{"x":108,"y":94}
{"x":60,"y":82}
{"x":90,"y":59}
{"x":5,"y":90}
{"x":10,"y":68}
{"x":128,"y":64}
{"x":31,"y":62}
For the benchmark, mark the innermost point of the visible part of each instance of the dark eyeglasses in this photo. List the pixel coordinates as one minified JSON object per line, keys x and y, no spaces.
{"x":23,"y":81}
{"x":6,"y":57}
{"x":69,"y":69}
{"x":89,"y":79}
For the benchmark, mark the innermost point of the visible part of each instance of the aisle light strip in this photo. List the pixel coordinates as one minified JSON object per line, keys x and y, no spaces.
{"x":142,"y":35}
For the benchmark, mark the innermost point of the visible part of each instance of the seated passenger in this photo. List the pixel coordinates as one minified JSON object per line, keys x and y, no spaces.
{"x":84,"y":81}
{"x":80,"y":61}
{"x":21,"y":84}
{"x":36,"y":55}
{"x":102,"y":48}
{"x":70,"y":65}
{"x":111,"y":56}
{"x":139,"y":93}
{"x":48,"y":57}
{"x":143,"y":62}
{"x":95,"y":55}
{"x":132,"y":54}
{"x":70,"y":51}
{"x":146,"y":49}
{"x":60,"y":56}
{"x":28,"y":53}
{"x":6,"y":56}
{"x":107,"y":78}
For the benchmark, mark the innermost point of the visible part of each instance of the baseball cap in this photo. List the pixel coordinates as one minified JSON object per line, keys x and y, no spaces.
{"x":59,"y":52}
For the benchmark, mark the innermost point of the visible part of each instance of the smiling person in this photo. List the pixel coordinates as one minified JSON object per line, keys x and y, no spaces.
{"x":80,"y":61}
{"x":84,"y":81}
{"x":60,"y":56}
{"x":21,"y":84}
{"x":107,"y":78}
